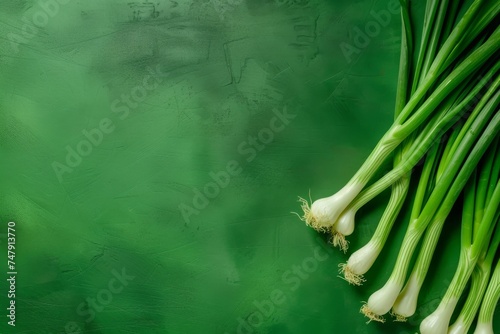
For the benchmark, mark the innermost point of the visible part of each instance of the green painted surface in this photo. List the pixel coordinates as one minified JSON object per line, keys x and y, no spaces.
{"x":116,"y":115}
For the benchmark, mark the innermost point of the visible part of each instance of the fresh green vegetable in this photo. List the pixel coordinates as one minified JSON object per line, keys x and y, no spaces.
{"x":490,"y":301}
{"x":446,"y":116}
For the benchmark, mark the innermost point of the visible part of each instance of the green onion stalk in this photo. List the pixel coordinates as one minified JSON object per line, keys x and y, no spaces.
{"x":471,"y":248}
{"x":406,"y":303}
{"x":362,"y":260}
{"x":446,"y":116}
{"x":323,"y":214}
{"x":462,"y":163}
{"x":453,"y":109}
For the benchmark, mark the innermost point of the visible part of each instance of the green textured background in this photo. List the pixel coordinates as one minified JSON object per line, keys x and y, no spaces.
{"x":226,"y":65}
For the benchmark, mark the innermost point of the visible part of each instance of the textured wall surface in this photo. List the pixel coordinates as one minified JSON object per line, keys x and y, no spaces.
{"x":151,"y":153}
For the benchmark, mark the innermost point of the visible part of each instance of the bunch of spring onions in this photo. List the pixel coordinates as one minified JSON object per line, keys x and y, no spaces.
{"x":445,"y":136}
